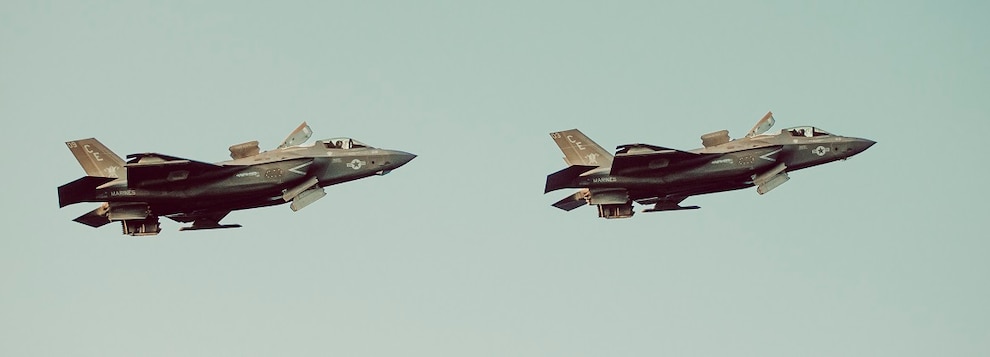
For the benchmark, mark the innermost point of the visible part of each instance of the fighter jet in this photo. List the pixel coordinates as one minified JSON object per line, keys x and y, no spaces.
{"x":663,"y":177}
{"x":150,"y":185}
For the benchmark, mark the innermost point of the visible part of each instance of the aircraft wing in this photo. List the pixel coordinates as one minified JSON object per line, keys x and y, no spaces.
{"x":202,"y":220}
{"x":152,"y":169}
{"x":666,"y":203}
{"x":642,"y":157}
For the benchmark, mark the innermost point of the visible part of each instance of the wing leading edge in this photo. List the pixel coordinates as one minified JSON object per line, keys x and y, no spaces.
{"x":633,"y":158}
{"x":152,"y":169}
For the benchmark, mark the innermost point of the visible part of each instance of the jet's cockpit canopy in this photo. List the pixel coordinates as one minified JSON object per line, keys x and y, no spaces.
{"x":343,"y":143}
{"x":806,"y":131}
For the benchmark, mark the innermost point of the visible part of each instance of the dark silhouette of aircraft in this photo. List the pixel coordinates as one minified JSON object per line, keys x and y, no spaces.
{"x":151,"y":185}
{"x":663,"y":177}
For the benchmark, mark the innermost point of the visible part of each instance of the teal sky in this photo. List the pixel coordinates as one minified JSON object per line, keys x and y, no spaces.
{"x":459,"y":253}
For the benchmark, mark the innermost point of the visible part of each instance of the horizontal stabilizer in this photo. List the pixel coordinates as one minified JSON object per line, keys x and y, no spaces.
{"x":571,"y":202}
{"x":80,"y":190}
{"x":562,"y":178}
{"x":95,"y":218}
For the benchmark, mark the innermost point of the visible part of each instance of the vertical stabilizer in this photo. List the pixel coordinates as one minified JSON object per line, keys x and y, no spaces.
{"x":579,"y":150}
{"x":96,"y":159}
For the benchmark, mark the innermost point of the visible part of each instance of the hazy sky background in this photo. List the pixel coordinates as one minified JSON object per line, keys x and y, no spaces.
{"x":459,"y":253}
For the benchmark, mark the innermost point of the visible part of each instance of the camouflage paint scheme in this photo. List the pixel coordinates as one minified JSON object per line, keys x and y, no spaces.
{"x":151,"y":185}
{"x":663,"y":177}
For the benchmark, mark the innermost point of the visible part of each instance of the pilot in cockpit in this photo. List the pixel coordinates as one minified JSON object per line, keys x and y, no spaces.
{"x":335,"y":144}
{"x":343,"y":144}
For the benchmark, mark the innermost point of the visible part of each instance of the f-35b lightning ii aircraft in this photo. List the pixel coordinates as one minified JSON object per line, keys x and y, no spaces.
{"x":663,"y":177}
{"x":152,"y":185}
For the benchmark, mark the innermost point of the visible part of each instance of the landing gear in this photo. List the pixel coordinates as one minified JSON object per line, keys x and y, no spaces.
{"x":141,"y":227}
{"x":609,"y":211}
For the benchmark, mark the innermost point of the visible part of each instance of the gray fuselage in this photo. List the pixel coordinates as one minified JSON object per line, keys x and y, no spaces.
{"x":725,"y":167}
{"x":256,"y":181}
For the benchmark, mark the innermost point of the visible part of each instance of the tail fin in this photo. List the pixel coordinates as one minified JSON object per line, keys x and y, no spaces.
{"x":579,"y":150}
{"x":96,"y":159}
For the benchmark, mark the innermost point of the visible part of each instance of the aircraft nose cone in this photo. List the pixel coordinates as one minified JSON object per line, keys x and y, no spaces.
{"x":399,"y":158}
{"x":859,"y":145}
{"x":864,"y":144}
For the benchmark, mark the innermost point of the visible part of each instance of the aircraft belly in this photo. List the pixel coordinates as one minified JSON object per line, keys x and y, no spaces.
{"x":341,"y":179}
{"x":195,"y":193}
{"x":170,"y":208}
{"x":699,"y":180}
{"x":700,"y":188}
{"x":220,"y":195}
{"x":702,"y":176}
{"x":253,"y":186}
